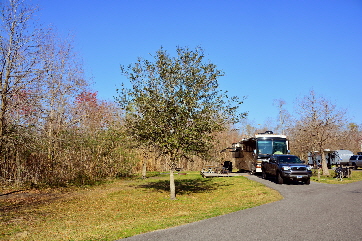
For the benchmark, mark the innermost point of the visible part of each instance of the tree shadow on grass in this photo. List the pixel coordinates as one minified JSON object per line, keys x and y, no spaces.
{"x":184,"y":186}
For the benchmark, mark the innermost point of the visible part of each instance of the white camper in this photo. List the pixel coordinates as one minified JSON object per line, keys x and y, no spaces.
{"x":332,"y":157}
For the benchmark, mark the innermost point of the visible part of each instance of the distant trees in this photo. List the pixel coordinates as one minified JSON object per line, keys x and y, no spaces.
{"x":174,"y":105}
{"x":317,"y":127}
{"x":352,"y":137}
{"x":283,"y":115}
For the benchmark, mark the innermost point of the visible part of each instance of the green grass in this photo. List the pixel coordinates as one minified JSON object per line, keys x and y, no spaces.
{"x":356,"y":176}
{"x":124,"y":208}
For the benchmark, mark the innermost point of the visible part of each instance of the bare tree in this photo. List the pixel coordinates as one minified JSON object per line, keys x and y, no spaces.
{"x":318,"y":126}
{"x":283,"y":115}
{"x":62,"y":79}
{"x":352,"y":138}
{"x":248,"y":128}
{"x":18,"y":60}
{"x":19,"y":46}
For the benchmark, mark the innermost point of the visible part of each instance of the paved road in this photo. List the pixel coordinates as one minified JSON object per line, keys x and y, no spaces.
{"x":307,"y":212}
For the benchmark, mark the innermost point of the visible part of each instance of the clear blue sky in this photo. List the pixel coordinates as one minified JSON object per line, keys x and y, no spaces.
{"x":269,"y":49}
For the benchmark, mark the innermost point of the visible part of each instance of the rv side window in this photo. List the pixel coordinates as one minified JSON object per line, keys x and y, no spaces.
{"x":248,"y":148}
{"x":359,"y":157}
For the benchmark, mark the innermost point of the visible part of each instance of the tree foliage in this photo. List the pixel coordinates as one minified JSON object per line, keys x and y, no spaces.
{"x":175,"y":105}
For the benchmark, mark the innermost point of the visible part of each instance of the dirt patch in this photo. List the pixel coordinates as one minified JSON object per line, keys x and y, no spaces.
{"x":15,"y":200}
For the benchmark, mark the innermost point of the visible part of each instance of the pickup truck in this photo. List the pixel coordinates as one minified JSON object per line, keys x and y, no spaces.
{"x":286,"y":168}
{"x":355,"y":161}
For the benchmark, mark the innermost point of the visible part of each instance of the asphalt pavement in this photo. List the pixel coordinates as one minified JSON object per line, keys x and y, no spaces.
{"x":307,"y":212}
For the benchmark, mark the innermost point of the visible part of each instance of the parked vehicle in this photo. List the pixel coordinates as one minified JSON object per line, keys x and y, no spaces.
{"x":333,"y":157}
{"x":285,"y":168}
{"x":249,"y":153}
{"x":355,"y":161}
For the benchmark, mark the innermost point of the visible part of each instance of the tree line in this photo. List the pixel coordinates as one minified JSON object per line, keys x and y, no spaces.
{"x":53,"y":128}
{"x":55,"y":131}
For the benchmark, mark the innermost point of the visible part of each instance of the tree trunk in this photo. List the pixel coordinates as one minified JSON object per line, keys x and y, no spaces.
{"x":324,"y":164}
{"x":144,"y":169}
{"x":172,"y":185}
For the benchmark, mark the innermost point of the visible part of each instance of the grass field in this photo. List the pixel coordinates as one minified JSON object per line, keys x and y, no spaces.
{"x":356,"y":176}
{"x":124,"y":208}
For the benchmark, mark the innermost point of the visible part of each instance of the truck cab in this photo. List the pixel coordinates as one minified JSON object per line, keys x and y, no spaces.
{"x":286,"y":168}
{"x":355,"y":161}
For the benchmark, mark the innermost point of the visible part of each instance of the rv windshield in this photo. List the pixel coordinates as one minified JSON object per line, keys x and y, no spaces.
{"x":270,"y":146}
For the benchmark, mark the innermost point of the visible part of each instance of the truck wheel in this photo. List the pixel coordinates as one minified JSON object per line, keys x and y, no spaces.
{"x":279,"y":178}
{"x":307,"y":181}
{"x":263,"y":174}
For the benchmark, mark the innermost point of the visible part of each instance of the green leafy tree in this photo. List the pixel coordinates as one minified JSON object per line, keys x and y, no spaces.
{"x":175,"y":105}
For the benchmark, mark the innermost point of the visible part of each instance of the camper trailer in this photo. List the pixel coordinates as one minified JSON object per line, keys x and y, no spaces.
{"x":332,"y":157}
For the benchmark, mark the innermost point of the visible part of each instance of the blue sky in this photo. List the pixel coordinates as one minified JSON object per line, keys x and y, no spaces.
{"x":268,"y":49}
